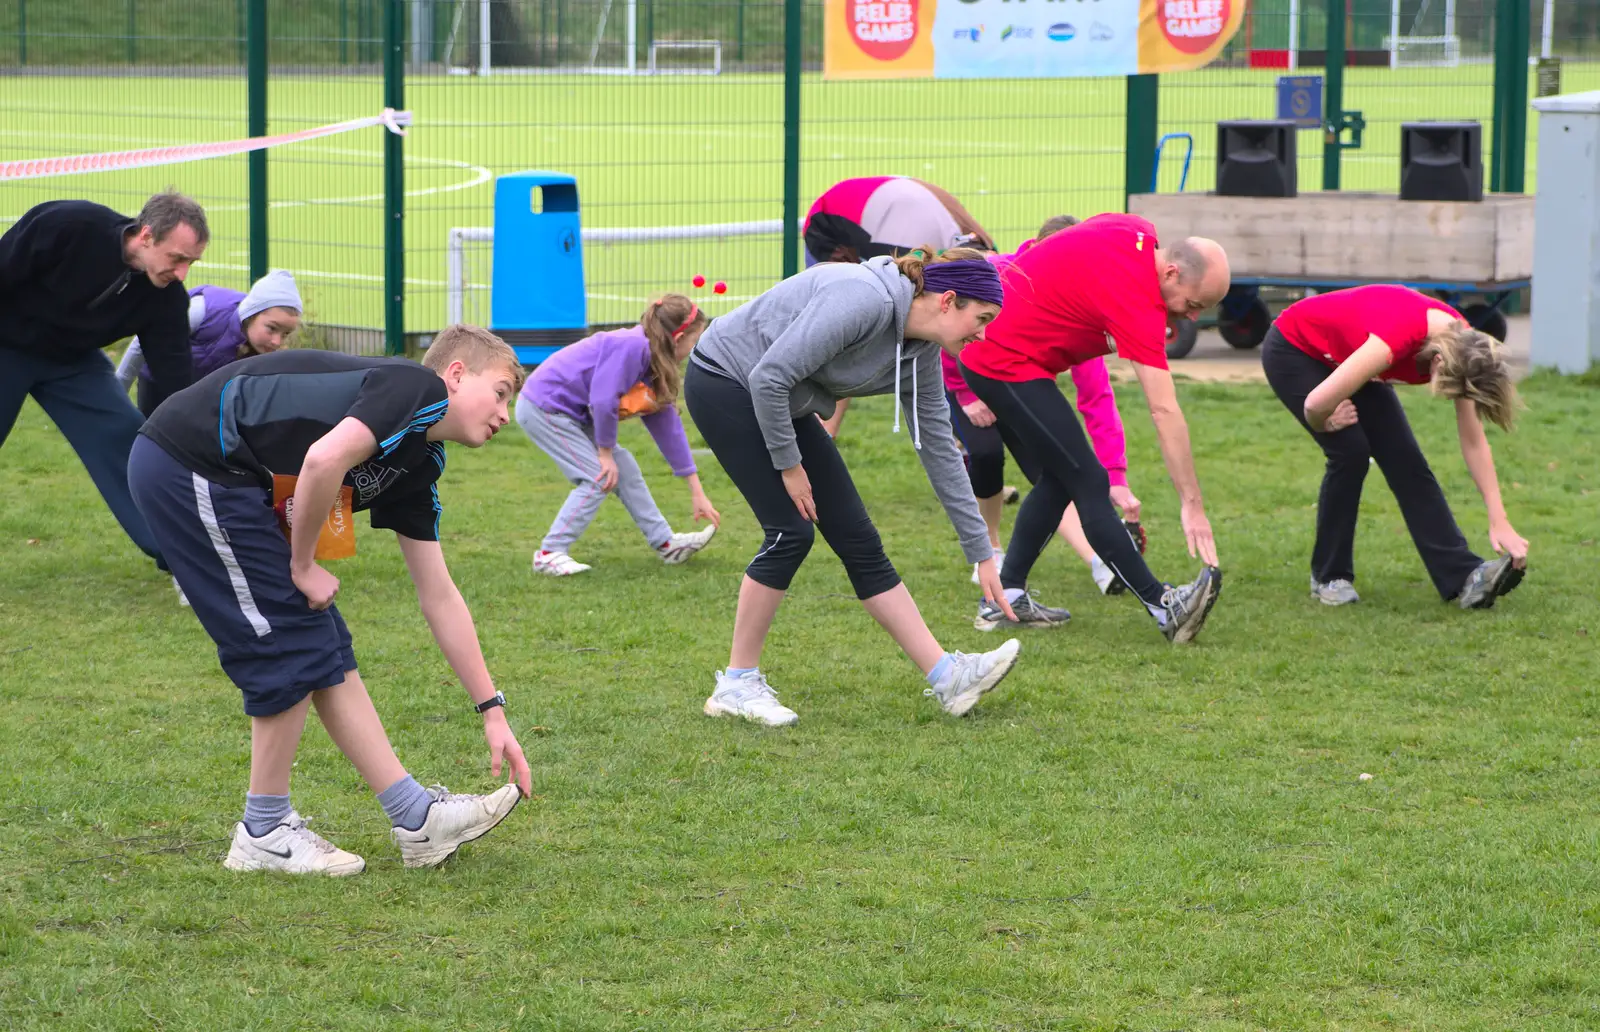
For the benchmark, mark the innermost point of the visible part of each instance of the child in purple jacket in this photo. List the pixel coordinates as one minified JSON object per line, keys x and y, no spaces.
{"x":571,"y":407}
{"x":225,"y":326}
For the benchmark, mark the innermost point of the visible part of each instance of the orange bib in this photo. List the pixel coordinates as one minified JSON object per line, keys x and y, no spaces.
{"x":338,"y":537}
{"x":639,"y":401}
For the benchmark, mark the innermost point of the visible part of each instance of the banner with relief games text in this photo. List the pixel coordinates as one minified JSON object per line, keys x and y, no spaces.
{"x":1022,"y":39}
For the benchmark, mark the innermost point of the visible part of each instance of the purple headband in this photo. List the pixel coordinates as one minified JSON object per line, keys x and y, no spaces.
{"x":968,"y":277}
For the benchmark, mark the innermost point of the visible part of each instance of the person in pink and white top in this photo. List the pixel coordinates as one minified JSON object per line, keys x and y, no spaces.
{"x":986,"y":442}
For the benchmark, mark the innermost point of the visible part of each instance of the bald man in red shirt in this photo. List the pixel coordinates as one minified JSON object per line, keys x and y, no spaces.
{"x":1104,"y":286}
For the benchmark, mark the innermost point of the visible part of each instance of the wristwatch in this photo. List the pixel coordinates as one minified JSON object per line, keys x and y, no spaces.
{"x":497,"y":699}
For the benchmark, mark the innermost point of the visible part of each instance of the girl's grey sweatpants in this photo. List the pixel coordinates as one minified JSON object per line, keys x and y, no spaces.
{"x":571,"y":444}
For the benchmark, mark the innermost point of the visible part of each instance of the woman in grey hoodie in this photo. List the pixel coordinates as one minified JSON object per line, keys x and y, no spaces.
{"x":758,"y":385}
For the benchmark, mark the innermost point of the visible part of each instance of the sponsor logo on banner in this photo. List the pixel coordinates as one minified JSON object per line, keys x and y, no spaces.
{"x":1061,"y":32}
{"x":974,"y":34}
{"x":883,"y":29}
{"x":1100,"y":32}
{"x":1192,"y":26}
{"x":1016,"y":32}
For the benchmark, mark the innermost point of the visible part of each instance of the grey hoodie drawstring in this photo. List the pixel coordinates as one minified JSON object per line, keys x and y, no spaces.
{"x":916,"y":413}
{"x":899,"y":399}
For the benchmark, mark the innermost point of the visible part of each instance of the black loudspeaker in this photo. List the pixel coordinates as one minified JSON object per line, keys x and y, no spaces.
{"x":1256,"y":159}
{"x":1441,"y":161}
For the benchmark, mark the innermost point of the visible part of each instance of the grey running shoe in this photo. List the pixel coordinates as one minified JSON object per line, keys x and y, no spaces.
{"x":1337,"y":592}
{"x":1488,"y":582}
{"x":1029,"y":614}
{"x":1184,"y":608}
{"x":970,"y":677}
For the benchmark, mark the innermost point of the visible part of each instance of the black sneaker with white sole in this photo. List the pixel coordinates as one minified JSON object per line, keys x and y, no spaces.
{"x":1029,"y":614}
{"x":1184,"y":608}
{"x":1488,"y":582}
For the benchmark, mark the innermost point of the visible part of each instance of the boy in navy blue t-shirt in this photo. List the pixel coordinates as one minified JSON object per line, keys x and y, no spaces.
{"x":352,"y":433}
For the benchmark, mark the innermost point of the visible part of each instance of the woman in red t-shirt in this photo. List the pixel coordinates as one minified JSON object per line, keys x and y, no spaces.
{"x":1366,"y":336}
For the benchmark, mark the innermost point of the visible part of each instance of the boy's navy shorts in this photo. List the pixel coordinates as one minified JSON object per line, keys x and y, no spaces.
{"x":232,"y":561}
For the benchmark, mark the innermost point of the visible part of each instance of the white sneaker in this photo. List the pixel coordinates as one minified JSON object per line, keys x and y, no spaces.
{"x":453,"y":820}
{"x":183,"y":600}
{"x":751,"y":697}
{"x":972,"y":676}
{"x":291,"y":848}
{"x":1104,"y":578}
{"x":557,"y":564}
{"x":682,"y":546}
{"x":999,"y":561}
{"x":1337,"y":592}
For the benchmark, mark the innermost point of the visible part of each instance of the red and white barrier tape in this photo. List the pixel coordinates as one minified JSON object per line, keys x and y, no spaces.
{"x":37,"y":168}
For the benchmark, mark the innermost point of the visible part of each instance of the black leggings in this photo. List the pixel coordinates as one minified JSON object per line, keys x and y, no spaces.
{"x":723,"y":413}
{"x":1041,"y":429}
{"x":986,"y":452}
{"x":1382,"y":434}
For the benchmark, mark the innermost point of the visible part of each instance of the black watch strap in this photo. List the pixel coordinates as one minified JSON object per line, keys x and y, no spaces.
{"x":498,"y":699}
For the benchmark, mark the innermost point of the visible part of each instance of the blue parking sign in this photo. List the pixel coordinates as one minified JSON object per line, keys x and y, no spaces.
{"x":1300,"y":100}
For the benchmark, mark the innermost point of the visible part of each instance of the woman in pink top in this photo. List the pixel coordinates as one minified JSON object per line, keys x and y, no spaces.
{"x":986,"y":443}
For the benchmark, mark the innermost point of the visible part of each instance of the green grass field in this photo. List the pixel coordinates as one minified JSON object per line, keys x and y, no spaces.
{"x":654,"y":152}
{"x":1126,"y":836}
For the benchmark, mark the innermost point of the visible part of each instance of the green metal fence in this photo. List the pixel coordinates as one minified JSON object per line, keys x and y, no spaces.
{"x":677,"y":114}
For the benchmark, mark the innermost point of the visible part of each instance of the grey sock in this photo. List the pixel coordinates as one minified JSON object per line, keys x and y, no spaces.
{"x":406,"y":803}
{"x":262,"y":813}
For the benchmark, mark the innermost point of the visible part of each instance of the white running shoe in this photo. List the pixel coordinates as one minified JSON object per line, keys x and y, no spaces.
{"x":557,"y":564}
{"x":970,"y":677}
{"x":183,"y":600}
{"x":999,"y":561}
{"x":682,"y":546}
{"x":453,"y":820}
{"x":291,"y":848}
{"x":1104,"y":578}
{"x":751,"y":697}
{"x":1337,"y":592}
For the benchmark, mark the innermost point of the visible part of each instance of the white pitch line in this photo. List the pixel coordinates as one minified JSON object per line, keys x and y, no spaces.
{"x":481,"y":174}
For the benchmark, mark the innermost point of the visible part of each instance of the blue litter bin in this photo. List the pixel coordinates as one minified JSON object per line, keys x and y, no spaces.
{"x":537,"y":300}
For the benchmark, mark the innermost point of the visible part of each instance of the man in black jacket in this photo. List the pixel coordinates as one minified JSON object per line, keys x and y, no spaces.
{"x":76,"y":277}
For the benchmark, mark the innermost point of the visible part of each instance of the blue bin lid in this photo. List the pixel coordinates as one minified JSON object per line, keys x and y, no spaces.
{"x":537,"y":178}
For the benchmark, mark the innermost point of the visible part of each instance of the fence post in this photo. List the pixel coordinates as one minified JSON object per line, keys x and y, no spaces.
{"x":1139,"y":147}
{"x":256,"y":119}
{"x":22,"y":31}
{"x":792,"y":52}
{"x":133,"y":28}
{"x":394,"y":183}
{"x":1333,"y":95}
{"x":1513,"y":25}
{"x":738,"y":50}
{"x":344,"y":32}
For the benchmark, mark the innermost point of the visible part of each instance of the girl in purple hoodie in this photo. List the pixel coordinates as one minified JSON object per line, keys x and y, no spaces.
{"x":571,"y":406}
{"x":225,"y":326}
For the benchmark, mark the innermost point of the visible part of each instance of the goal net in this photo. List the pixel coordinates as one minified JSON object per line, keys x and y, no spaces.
{"x":596,"y":37}
{"x":628,"y":267}
{"x":1422,"y":34}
